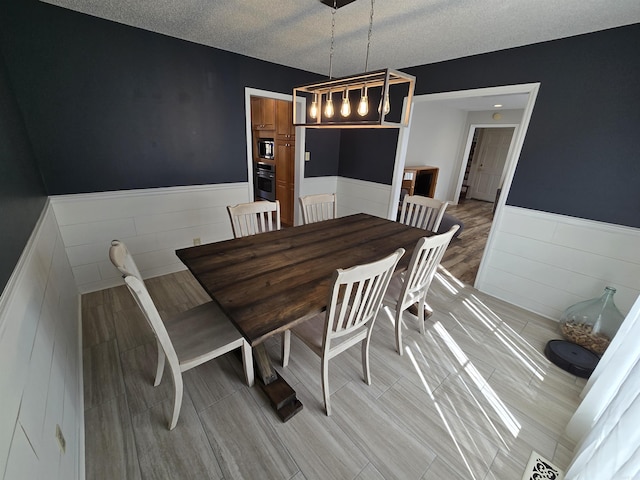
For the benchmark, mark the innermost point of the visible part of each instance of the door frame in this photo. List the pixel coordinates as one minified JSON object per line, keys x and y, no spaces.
{"x":532,"y":90}
{"x":299,"y":150}
{"x":467,"y":149}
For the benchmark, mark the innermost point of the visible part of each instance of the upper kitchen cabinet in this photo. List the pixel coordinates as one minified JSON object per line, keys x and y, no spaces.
{"x":284,"y":120}
{"x":263,"y":113}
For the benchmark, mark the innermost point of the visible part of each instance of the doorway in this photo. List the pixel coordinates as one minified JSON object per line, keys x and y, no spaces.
{"x":299,"y":145}
{"x":460,"y":104}
{"x":486,"y":162}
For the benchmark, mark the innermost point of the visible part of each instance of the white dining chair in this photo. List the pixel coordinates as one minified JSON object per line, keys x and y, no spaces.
{"x":413,"y":285}
{"x":316,"y":208}
{"x":254,"y":217}
{"x":122,"y":259}
{"x":355,"y":297}
{"x":187,"y":339}
{"x":422,"y":212}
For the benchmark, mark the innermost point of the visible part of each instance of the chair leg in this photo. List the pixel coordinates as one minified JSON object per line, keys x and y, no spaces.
{"x":399,"y":330}
{"x":247,"y":361}
{"x":177,"y":399}
{"x":421,"y":316}
{"x":286,"y":347}
{"x":160,"y":366}
{"x":366,"y":371}
{"x":325,"y":385}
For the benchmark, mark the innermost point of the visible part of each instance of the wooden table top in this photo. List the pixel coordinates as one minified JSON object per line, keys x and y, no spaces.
{"x":269,"y":282}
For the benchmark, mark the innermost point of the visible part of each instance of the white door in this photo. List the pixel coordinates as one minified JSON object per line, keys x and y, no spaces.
{"x":490,"y":160}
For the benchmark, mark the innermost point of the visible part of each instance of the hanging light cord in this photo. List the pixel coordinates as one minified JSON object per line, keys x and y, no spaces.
{"x":333,"y":29}
{"x":366,"y":61}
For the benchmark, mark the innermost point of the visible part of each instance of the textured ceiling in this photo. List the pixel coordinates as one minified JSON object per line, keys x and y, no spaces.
{"x":297,"y":33}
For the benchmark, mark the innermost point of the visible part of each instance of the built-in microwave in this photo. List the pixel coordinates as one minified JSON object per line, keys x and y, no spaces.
{"x":265,"y":148}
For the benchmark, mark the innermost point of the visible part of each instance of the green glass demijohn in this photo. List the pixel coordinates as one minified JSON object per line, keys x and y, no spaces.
{"x":593,"y":323}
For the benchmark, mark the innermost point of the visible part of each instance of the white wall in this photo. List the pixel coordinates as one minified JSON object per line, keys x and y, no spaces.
{"x":358,"y":196}
{"x":545,"y":262}
{"x":434,"y":139}
{"x":41,"y":367}
{"x":439,"y":136}
{"x":153,"y":223}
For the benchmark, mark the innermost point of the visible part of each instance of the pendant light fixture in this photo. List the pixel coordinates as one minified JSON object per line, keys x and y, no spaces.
{"x":376,"y":84}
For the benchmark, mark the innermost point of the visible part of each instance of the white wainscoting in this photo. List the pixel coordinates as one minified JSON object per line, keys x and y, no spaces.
{"x":314,"y":186}
{"x":545,"y":262}
{"x":41,"y":366}
{"x":359,"y":196}
{"x":153,"y":223}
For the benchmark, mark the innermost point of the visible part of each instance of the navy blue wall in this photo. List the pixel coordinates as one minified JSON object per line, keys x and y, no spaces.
{"x":111,"y":107}
{"x":324,"y":147}
{"x":581,"y":156}
{"x":22,"y":194}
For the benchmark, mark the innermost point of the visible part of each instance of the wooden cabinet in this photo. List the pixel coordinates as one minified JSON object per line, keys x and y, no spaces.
{"x":271,"y":118}
{"x":263,"y":113}
{"x":285,"y":181}
{"x":420,"y":180}
{"x":284,"y":120}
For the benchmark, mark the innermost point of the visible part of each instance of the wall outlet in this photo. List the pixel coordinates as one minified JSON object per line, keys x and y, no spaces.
{"x":60,"y":437}
{"x":197,"y":241}
{"x":307,"y":156}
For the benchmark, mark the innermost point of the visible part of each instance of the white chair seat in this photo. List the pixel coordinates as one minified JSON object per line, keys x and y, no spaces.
{"x":311,"y":332}
{"x":394,"y":290}
{"x":201,"y":334}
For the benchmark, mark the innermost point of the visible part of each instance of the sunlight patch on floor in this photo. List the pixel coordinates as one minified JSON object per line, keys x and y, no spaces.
{"x":440,"y":412}
{"x":499,"y":407}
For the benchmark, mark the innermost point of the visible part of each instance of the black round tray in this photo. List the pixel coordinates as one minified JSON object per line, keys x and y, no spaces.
{"x":571,"y":357}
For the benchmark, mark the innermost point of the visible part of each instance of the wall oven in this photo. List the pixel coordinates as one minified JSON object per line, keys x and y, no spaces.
{"x":265,"y":181}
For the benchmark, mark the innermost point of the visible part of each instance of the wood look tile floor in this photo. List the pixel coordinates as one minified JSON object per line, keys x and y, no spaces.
{"x":470,"y":399}
{"x":463,"y":256}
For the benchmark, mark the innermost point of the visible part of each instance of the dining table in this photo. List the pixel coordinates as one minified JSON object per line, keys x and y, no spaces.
{"x":272,"y":281}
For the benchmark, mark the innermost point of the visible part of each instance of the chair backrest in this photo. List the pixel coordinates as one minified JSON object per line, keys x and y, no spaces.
{"x":141,"y":295}
{"x":356,"y":296}
{"x":255,"y":217}
{"x":316,"y":208}
{"x":122,"y":259}
{"x":422,"y":267}
{"x":422,"y":212}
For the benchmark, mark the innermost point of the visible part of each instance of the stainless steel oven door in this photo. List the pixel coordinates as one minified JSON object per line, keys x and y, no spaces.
{"x":265,"y":182}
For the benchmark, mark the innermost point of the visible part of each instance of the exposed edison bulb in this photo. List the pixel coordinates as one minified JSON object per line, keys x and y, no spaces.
{"x":313,"y":110}
{"x":363,"y":106}
{"x":385,"y":106}
{"x":345,"y":108}
{"x":328,"y":109}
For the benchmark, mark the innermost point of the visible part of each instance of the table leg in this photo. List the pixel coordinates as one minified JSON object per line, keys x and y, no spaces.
{"x":280,"y":394}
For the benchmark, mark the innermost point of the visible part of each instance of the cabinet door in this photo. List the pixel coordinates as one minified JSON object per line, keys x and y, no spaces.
{"x":284,"y":120}
{"x":285,"y":168}
{"x":285,"y":158}
{"x":263,"y":113}
{"x":284,"y":194}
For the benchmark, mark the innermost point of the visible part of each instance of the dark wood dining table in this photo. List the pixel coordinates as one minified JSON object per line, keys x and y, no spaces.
{"x":269,"y":282}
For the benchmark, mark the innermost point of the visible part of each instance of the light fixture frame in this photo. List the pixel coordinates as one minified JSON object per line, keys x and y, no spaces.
{"x":385,"y":78}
